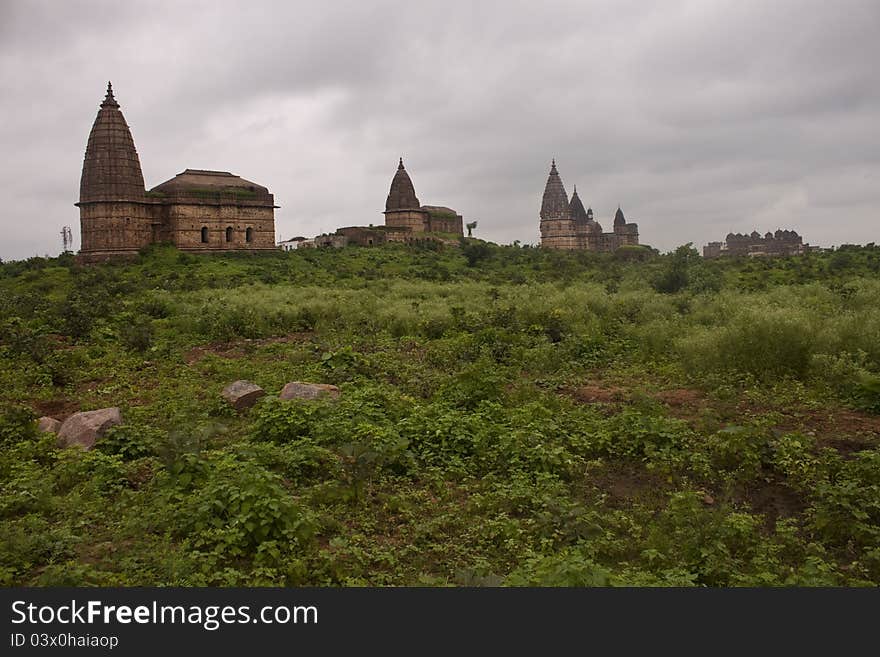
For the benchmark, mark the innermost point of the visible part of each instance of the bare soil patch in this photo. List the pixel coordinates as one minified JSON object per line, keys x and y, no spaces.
{"x":237,"y":348}
{"x":60,"y":409}
{"x":593,"y":393}
{"x":772,"y":499}
{"x":625,"y":483}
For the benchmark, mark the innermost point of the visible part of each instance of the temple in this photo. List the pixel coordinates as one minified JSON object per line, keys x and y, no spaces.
{"x":197,"y":210}
{"x":402,"y":209}
{"x":567,"y":225}
{"x":406,"y":220}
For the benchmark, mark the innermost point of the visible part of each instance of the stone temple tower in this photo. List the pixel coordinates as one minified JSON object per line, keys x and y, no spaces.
{"x":557,"y":226}
{"x":114,"y":214}
{"x":624,"y":234}
{"x":402,"y":208}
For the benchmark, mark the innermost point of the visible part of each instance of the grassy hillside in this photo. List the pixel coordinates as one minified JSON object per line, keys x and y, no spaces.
{"x":508,"y":415}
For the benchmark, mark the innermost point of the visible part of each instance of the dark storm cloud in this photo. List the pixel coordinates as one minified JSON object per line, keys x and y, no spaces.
{"x":697,"y":117}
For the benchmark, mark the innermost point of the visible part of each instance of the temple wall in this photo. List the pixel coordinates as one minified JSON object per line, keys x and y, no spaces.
{"x":185,"y":222}
{"x":415,"y":220}
{"x":115,"y":226}
{"x":559,"y":234}
{"x":443,"y":224}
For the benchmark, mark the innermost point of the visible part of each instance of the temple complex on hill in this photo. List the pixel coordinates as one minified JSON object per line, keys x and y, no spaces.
{"x":567,"y":225}
{"x":402,"y":209}
{"x":406,"y":220}
{"x":780,"y":243}
{"x":197,"y":210}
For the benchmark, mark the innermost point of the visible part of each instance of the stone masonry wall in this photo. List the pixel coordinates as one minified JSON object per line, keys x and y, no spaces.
{"x":115,"y":226}
{"x":415,"y":220}
{"x":187,"y":220}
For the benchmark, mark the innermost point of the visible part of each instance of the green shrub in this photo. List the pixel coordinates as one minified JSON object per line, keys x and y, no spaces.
{"x":741,"y":451}
{"x":767,"y":344}
{"x":131,"y":441}
{"x":568,"y":568}
{"x":846,"y":508}
{"x":17,"y":424}
{"x":281,"y":421}
{"x":634,"y":435}
{"x":136,"y":334}
{"x":240,"y":507}
{"x":473,"y":385}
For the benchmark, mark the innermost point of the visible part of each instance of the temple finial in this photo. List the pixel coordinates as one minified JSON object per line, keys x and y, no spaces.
{"x":109,"y":100}
{"x":400,"y":166}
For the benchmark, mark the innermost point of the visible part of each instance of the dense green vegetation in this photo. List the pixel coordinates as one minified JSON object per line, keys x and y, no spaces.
{"x":508,"y":415}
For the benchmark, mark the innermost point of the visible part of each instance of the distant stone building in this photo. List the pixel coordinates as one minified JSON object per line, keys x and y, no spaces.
{"x":331,"y":240}
{"x":567,"y":225}
{"x":780,"y":243}
{"x":292,"y":244}
{"x":406,"y":220}
{"x":402,"y":210}
{"x":197,"y":210}
{"x":365,"y":236}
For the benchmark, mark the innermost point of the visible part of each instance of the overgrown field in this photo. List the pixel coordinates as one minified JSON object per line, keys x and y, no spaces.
{"x":508,"y":416}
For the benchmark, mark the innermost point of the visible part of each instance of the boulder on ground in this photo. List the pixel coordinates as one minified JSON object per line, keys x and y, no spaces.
{"x":300,"y":390}
{"x":48,"y":424}
{"x":242,"y":394}
{"x":84,"y":428}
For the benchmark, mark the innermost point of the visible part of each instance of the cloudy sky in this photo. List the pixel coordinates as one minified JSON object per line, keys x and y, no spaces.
{"x":698,"y":117}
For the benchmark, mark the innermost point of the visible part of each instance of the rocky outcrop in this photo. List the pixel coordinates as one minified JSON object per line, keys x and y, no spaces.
{"x":300,"y":390}
{"x":84,"y":428}
{"x":48,"y":424}
{"x":242,"y":394}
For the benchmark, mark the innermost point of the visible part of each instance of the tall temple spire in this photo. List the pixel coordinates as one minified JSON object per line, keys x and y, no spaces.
{"x":111,"y":168}
{"x":619,"y":219}
{"x":402,"y":195}
{"x":554,"y":204}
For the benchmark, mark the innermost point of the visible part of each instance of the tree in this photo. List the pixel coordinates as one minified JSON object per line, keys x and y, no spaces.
{"x":674,"y":277}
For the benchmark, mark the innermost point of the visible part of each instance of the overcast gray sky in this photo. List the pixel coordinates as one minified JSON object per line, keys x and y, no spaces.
{"x":698,"y":117}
